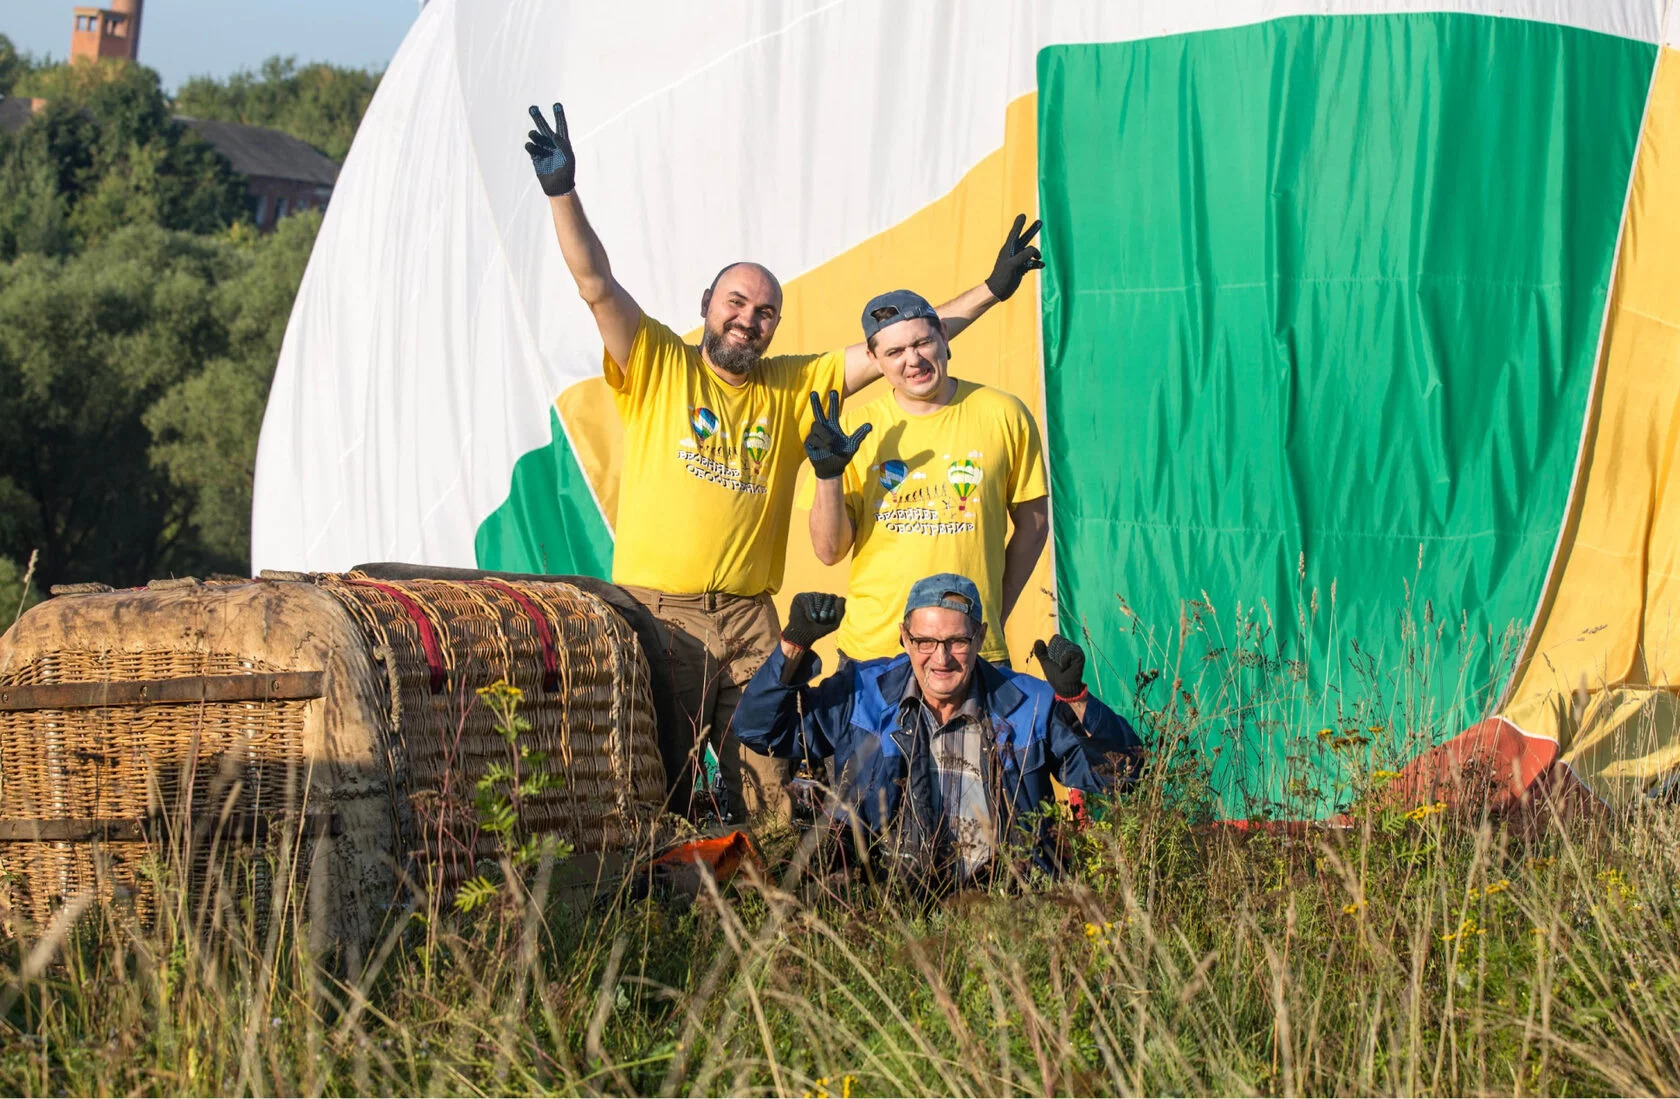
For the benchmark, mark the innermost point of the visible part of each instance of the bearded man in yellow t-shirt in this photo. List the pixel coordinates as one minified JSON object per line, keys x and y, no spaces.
{"x":711,"y":451}
{"x":929,"y":477}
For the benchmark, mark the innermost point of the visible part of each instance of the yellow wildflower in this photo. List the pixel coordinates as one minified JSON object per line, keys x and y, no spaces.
{"x":1465,"y":930}
{"x":1092,"y":931}
{"x":1384,"y":776}
{"x":846,"y":1083}
{"x":501,"y":691}
{"x":1423,"y":811}
{"x":1326,"y":733}
{"x":1375,"y":728}
{"x":1616,"y":885}
{"x":1497,"y":887}
{"x":1350,"y":909}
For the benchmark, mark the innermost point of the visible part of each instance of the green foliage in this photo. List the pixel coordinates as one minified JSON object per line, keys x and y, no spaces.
{"x":499,"y":800}
{"x":476,"y":893}
{"x":135,"y":373}
{"x":321,"y":104}
{"x":14,"y":66}
{"x":140,"y":316}
{"x":103,"y":154}
{"x":205,"y":426}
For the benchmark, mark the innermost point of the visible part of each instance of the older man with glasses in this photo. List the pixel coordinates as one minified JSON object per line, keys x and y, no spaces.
{"x":944,"y":760}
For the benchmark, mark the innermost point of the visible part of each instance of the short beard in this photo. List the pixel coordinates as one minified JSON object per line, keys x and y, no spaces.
{"x":727,"y":356}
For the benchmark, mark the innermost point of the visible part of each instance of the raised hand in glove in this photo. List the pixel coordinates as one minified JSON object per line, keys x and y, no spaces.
{"x":828,"y":446}
{"x":551,"y":153}
{"x":1064,"y":667}
{"x":813,"y":615}
{"x":1015,"y":259}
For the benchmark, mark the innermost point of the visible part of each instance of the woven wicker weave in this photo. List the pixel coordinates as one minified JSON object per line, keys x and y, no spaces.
{"x":131,"y":763}
{"x":381,"y":761}
{"x":595,"y":725}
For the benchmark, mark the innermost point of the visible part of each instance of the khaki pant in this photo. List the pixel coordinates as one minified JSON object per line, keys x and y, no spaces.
{"x":714,"y":642}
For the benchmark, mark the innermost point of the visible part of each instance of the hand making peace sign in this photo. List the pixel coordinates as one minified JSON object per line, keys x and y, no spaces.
{"x":1015,"y":259}
{"x":551,"y":153}
{"x":828,"y":446}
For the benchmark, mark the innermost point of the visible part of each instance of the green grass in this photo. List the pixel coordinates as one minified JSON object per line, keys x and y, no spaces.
{"x":1440,"y":955}
{"x":1423,"y":952}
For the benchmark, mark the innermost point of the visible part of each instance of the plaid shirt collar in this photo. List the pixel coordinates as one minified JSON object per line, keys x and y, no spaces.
{"x":970,"y":710}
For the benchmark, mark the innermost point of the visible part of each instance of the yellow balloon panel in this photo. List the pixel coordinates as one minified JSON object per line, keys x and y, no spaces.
{"x":1611,"y":619}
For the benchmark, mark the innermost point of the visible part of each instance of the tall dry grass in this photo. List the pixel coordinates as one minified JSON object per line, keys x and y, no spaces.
{"x":1440,"y":955}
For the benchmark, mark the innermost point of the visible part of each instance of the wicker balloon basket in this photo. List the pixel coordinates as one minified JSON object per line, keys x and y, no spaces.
{"x":322,"y":734}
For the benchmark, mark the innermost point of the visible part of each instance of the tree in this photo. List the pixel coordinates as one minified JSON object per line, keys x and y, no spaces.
{"x":206,"y":425}
{"x":320,"y":104}
{"x":87,"y":345}
{"x":105,"y":153}
{"x":14,"y":65}
{"x":140,"y":320}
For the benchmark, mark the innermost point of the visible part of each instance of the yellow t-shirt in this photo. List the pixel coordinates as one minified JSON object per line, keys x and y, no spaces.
{"x":709,"y":468}
{"x":932,"y":494}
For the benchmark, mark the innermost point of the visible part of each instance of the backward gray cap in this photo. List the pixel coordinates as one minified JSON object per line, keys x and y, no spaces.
{"x":888,"y":309}
{"x":948,"y":590}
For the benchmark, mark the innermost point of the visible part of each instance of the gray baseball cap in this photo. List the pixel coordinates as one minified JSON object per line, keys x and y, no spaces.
{"x":894,"y":306}
{"x":948,"y":590}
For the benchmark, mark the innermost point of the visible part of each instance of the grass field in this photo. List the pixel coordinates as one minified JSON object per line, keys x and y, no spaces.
{"x":1424,"y":950}
{"x":1414,"y":954}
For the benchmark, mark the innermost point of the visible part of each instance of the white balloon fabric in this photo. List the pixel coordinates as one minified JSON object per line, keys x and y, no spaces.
{"x":436,"y":323}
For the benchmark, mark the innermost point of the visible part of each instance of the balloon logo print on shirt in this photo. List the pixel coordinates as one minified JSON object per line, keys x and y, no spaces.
{"x":965,"y":477}
{"x":892,"y":474}
{"x":756,"y":444}
{"x":703,"y":422}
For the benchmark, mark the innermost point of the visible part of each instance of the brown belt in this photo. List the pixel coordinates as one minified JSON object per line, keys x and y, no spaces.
{"x":708,"y":601}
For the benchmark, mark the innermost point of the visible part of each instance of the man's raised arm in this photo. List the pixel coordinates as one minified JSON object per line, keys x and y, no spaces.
{"x":616,"y":313}
{"x":1015,"y":259}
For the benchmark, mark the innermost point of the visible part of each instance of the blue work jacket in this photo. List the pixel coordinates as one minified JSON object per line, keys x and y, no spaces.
{"x":860,"y":719}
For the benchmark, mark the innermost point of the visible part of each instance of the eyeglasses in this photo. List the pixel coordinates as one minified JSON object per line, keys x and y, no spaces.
{"x":922,"y":646}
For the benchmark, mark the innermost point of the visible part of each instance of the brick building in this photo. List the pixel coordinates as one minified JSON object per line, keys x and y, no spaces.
{"x":107,"y":32}
{"x":283,"y":175}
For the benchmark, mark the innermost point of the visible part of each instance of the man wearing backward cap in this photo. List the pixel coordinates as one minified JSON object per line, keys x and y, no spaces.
{"x":937,"y":474}
{"x":941,"y":757}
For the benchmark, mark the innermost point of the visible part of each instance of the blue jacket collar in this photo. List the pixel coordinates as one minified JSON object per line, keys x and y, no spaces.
{"x":997,"y":694}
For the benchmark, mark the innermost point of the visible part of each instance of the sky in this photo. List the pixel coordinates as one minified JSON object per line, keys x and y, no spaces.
{"x":186,"y":38}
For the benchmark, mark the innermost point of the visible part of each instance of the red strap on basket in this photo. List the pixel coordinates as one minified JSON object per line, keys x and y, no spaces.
{"x":539,"y":622}
{"x":428,"y":636}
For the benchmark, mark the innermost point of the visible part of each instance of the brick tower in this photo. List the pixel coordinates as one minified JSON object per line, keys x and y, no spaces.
{"x":107,"y":32}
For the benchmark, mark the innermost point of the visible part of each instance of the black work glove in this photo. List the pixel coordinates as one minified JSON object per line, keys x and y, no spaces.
{"x":1064,"y":667}
{"x":1015,"y":259}
{"x":828,"y":446}
{"x":551,"y":153}
{"x":813,"y":615}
